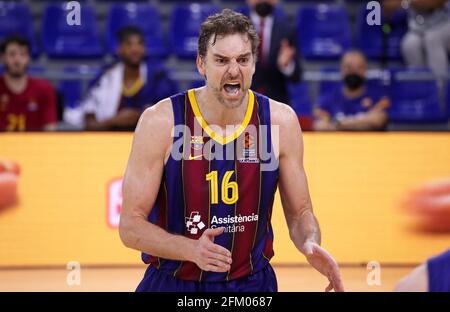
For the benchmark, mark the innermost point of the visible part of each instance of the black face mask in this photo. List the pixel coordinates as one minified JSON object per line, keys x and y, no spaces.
{"x":263,"y":9}
{"x":354,"y":81}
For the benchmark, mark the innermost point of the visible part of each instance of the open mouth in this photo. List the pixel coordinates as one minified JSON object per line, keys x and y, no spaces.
{"x":232,"y":88}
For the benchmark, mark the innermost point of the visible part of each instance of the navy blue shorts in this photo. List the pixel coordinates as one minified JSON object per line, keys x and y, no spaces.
{"x":158,"y":280}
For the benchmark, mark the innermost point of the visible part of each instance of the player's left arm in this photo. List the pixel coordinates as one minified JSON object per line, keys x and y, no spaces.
{"x":126,"y":117}
{"x":303,"y":226}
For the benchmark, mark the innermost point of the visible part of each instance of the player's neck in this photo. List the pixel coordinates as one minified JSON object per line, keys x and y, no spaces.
{"x":16,"y":84}
{"x":216,"y":113}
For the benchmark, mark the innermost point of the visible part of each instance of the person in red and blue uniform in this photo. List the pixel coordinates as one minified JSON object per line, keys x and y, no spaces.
{"x":200,"y":183}
{"x":26,"y":103}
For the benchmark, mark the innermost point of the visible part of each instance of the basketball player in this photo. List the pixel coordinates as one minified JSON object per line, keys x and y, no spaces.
{"x":433,"y":276}
{"x":202,"y":222}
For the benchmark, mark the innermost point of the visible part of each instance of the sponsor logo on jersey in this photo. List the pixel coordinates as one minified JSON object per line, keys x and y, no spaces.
{"x":195,"y":157}
{"x":194,"y":223}
{"x":231,"y":224}
{"x":196,"y":146}
{"x":248,"y":153}
{"x":197,"y":142}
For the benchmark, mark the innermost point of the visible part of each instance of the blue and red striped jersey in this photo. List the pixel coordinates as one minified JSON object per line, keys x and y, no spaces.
{"x":220,"y":181}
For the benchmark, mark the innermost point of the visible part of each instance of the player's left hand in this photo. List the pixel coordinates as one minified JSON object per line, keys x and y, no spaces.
{"x":323,"y":262}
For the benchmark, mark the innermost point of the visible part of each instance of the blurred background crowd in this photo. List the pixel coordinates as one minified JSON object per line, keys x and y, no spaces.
{"x":339,"y":64}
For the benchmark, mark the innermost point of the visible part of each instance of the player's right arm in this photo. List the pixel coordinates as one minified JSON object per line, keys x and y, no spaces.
{"x":151,"y":146}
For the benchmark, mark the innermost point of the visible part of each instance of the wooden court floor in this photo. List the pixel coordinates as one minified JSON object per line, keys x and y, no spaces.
{"x":298,"y":278}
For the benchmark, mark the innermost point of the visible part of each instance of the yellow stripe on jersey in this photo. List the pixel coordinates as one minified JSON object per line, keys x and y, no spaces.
{"x":134,"y":89}
{"x":212,"y":134}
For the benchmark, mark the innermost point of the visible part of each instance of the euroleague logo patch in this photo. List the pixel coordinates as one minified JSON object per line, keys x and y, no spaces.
{"x":248,"y":154}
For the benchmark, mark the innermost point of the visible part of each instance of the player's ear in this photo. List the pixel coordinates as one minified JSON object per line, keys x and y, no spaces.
{"x":201,"y":65}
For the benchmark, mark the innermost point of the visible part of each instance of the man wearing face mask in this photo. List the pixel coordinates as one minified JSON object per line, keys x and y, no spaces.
{"x":356,"y":105}
{"x":278,"y":61}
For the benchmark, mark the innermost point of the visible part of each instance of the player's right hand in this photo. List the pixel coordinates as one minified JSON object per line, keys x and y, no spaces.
{"x":209,"y":256}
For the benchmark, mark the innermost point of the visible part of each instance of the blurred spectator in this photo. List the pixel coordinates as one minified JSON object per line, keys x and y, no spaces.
{"x":428,"y":40}
{"x":26,"y":103}
{"x":117,"y":98}
{"x":356,"y":105}
{"x":390,"y":7}
{"x":394,"y":25}
{"x":432,"y":276}
{"x":278,"y":61}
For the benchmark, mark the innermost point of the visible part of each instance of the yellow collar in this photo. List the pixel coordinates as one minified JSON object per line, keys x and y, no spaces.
{"x":134,"y":89}
{"x":212,"y":134}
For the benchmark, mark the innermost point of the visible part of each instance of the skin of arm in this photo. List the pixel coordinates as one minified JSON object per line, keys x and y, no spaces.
{"x":322,"y":121}
{"x":416,"y":281}
{"x":363,"y":122}
{"x":303,"y":227}
{"x":125,"y":117}
{"x":140,"y":188}
{"x":374,"y":119}
{"x":297,"y":204}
